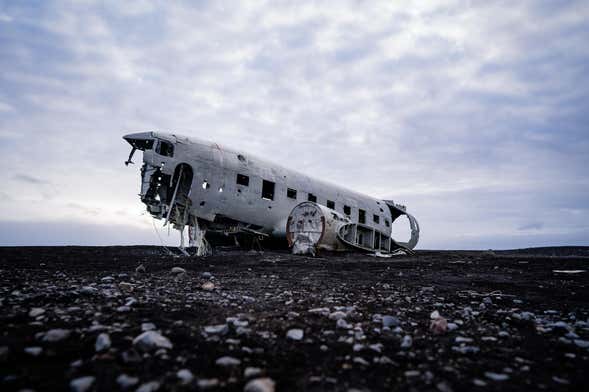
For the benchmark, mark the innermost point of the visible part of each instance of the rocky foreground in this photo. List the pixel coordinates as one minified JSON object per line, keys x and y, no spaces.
{"x":133,"y":318}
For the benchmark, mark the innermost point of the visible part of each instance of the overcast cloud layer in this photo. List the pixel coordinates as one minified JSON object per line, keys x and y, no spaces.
{"x":473,"y":114}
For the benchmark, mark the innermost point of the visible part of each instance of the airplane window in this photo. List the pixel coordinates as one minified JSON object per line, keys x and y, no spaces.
{"x":331,"y":204}
{"x":243,"y":180}
{"x":267,"y":190}
{"x":165,"y":149}
{"x":361,"y":216}
{"x":312,"y":197}
{"x":347,"y":210}
{"x":376,"y":218}
{"x":291,"y":193}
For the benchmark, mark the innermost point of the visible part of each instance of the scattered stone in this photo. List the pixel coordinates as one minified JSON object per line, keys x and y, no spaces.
{"x":582,"y":343}
{"x":434,"y":315}
{"x":140,"y":269}
{"x":147,"y":327}
{"x":220,"y":329}
{"x":185,"y":376}
{"x":439,"y":326}
{"x":56,"y":335}
{"x":178,"y":271}
{"x":496,"y":376}
{"x":35,"y":312}
{"x":34,"y":351}
{"x":250,"y":372}
{"x":406,"y":342}
{"x":82,"y":384}
{"x":126,"y":382}
{"x":361,"y":361}
{"x":150,"y":386}
{"x":102,"y":342}
{"x":151,"y":340}
{"x":126,"y":286}
{"x":295,"y":334}
{"x":337,"y":315}
{"x":208,"y":286}
{"x":390,"y":321}
{"x":264,"y":384}
{"x":207,"y":383}
{"x":321,"y":311}
{"x":412,"y":373}
{"x":228,"y":361}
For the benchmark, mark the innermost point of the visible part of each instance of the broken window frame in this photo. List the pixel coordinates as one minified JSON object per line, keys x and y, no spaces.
{"x":291,"y":193}
{"x":330,"y":204}
{"x":376,"y":218}
{"x":387,"y":223}
{"x":167,"y":151}
{"x":361,"y":216}
{"x":312,"y":197}
{"x":268,"y":188}
{"x":242,"y":179}
{"x":347,"y":210}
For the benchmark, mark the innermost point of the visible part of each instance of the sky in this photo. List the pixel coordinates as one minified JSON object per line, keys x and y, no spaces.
{"x":473,"y":114}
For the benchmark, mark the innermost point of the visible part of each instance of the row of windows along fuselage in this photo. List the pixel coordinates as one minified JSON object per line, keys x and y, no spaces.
{"x":268,"y":188}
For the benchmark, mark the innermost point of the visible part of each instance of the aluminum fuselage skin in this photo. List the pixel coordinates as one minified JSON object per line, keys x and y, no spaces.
{"x":218,"y":167}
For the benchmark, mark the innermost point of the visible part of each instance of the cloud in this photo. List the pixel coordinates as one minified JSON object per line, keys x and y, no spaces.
{"x":29,"y":179}
{"x":460,"y":111}
{"x":531,"y":226}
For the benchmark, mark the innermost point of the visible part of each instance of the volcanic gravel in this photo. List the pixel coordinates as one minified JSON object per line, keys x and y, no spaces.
{"x":134,"y":318}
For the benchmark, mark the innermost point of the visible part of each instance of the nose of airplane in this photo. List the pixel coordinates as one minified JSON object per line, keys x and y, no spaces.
{"x":140,"y":140}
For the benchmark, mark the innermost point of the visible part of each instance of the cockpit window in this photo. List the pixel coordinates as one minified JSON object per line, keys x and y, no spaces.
{"x":165,"y":148}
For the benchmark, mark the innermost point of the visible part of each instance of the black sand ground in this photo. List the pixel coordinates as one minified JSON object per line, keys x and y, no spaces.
{"x":518,"y":324}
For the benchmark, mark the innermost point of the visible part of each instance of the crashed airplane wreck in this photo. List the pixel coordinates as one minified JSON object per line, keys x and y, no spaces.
{"x":216,"y":192}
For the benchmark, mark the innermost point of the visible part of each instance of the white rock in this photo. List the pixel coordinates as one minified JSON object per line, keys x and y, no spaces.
{"x":337,"y":315}
{"x":321,"y":311}
{"x":390,"y":321}
{"x":582,"y":343}
{"x":150,"y":386}
{"x":434,"y":315}
{"x":407,"y":342}
{"x":295,"y":334}
{"x":56,"y":335}
{"x":220,"y":329}
{"x":34,"y":351}
{"x":147,"y":327}
{"x":228,"y":361}
{"x":462,"y":339}
{"x":82,"y":384}
{"x":496,"y":376}
{"x":88,"y":290}
{"x":185,"y":376}
{"x":36,"y":312}
{"x":341,"y":323}
{"x":250,"y":372}
{"x":126,"y":382}
{"x":360,"y":361}
{"x":102,"y":342}
{"x":178,"y":271}
{"x":151,"y":340}
{"x":264,"y":384}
